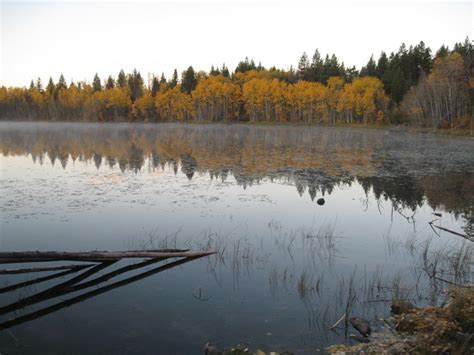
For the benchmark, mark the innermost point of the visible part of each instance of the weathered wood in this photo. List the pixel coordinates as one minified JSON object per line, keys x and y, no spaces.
{"x":95,"y":256}
{"x":44,"y":269}
{"x":42,"y":312}
{"x":40,"y":279}
{"x":51,"y":292}
{"x":73,"y":286}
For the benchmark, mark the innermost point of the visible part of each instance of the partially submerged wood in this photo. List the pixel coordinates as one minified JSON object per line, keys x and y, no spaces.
{"x":41,"y":279}
{"x":95,"y":256}
{"x":80,"y":282}
{"x":44,"y":269}
{"x":42,"y":312}
{"x":73,"y":285}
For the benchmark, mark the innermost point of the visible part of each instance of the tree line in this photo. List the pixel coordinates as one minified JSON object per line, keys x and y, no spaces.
{"x":412,"y":85}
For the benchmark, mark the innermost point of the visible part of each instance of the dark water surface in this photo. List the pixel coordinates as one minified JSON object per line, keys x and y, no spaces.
{"x":286,"y":267}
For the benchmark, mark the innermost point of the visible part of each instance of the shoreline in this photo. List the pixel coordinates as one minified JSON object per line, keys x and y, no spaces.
{"x":391,"y":128}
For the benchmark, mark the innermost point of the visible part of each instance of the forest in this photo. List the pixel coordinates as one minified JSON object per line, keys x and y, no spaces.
{"x":413,"y":86}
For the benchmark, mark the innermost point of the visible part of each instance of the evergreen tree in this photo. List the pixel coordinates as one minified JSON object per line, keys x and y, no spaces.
{"x":174,"y":80}
{"x":443,"y":51}
{"x":96,"y":85}
{"x":245,"y":66}
{"x":370,"y":69}
{"x":188,"y":80}
{"x":163,"y":79}
{"x":303,"y":66}
{"x":466,"y":49}
{"x":225,"y":71}
{"x":135,"y":85}
{"x":316,"y":68}
{"x":39,"y":85}
{"x":155,"y":86}
{"x":121,"y":79}
{"x":110,"y":83}
{"x":50,"y":88}
{"x":382,"y":65}
{"x":214,"y":71}
{"x":32,"y":85}
{"x":351,"y":73}
{"x":61,"y":83}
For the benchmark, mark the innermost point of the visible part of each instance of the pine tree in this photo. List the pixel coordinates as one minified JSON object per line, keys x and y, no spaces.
{"x":163,"y":80}
{"x":370,"y":69}
{"x":188,"y":80}
{"x":303,"y":66}
{"x":174,"y":80}
{"x":245,"y":66}
{"x":50,"y":88}
{"x":225,"y":71}
{"x":121,"y":79}
{"x":135,"y":85}
{"x":382,"y":65}
{"x":316,"y":68}
{"x":96,"y":85}
{"x":110,"y":83}
{"x":443,"y":51}
{"x":39,"y":85}
{"x":61,"y":83}
{"x":214,"y":71}
{"x":155,"y":86}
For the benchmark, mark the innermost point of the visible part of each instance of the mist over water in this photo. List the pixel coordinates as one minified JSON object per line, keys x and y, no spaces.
{"x":286,"y":267}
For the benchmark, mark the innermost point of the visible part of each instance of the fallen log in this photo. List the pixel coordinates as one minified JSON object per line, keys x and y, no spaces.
{"x":39,"y":280}
{"x":92,"y":256}
{"x":42,"y":312}
{"x":73,"y":285}
{"x":45,"y":268}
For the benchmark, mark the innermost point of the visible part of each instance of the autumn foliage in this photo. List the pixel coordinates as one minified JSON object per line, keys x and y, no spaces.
{"x":252,"y":96}
{"x":409,"y":86}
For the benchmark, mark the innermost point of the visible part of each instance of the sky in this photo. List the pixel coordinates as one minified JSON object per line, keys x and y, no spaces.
{"x":78,"y":39}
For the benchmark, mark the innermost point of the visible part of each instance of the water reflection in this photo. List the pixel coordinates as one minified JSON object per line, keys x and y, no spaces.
{"x":76,"y":284}
{"x":284,"y":265}
{"x":403,"y":168}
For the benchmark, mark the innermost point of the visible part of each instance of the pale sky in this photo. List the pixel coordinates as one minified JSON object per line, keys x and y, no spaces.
{"x":79,"y":39}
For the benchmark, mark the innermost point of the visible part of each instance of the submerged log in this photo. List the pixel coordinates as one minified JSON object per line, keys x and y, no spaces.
{"x":39,"y":280}
{"x":94,"y":256}
{"x":50,"y":309}
{"x":44,"y":269}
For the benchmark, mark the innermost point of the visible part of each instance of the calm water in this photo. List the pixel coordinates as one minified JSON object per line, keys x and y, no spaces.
{"x":286,"y":267}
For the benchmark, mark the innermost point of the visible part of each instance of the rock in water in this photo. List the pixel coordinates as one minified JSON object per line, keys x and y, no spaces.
{"x":361,"y":325}
{"x":320,"y":201}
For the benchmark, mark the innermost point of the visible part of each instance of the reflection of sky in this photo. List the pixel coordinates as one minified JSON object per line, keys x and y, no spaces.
{"x":264,"y":231}
{"x":51,"y":200}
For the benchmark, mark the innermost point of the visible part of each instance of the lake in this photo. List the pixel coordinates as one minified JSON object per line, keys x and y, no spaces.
{"x":287,"y":264}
